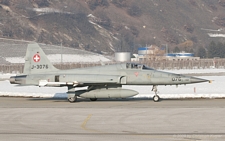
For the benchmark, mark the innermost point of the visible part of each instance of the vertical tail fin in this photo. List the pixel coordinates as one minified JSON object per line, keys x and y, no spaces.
{"x":36,"y":61}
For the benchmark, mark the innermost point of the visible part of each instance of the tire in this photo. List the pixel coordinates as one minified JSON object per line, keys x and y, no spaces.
{"x":156,"y":98}
{"x":72,"y":99}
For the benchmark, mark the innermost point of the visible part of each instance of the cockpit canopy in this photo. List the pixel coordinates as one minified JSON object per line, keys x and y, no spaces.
{"x":137,"y":66}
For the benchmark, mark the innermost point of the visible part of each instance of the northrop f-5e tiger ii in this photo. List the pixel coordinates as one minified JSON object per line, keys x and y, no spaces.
{"x":101,"y":81}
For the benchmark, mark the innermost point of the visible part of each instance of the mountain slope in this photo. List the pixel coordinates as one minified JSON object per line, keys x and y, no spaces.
{"x":106,"y":26}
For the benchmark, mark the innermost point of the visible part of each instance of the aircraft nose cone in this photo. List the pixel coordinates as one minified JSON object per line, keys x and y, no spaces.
{"x":197,"y":80}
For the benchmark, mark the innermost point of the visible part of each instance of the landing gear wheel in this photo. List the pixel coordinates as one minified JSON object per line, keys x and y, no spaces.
{"x":93,"y":99}
{"x":72,"y":99}
{"x":156,"y":98}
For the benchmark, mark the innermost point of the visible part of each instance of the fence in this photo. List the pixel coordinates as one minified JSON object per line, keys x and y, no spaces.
{"x":187,"y":64}
{"x":166,"y":64}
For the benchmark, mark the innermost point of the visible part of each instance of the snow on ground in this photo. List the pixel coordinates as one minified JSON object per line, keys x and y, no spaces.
{"x":6,"y":75}
{"x":216,"y":35}
{"x":200,"y":90}
{"x":15,"y":59}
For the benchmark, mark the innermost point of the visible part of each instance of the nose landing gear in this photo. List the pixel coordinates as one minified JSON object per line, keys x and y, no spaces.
{"x":156,"y":98}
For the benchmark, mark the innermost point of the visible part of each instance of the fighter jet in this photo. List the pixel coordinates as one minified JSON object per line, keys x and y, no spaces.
{"x":99,"y":82}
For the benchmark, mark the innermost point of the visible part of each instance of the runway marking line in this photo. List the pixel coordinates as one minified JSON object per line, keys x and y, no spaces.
{"x":83,"y":125}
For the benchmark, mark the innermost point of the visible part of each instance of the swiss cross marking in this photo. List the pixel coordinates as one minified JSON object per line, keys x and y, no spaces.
{"x":36,"y":58}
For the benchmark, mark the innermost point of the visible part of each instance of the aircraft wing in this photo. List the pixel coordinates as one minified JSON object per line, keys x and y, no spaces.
{"x":82,"y":80}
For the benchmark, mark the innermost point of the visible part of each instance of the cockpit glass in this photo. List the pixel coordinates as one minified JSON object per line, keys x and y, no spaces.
{"x":147,"y":68}
{"x":137,"y":66}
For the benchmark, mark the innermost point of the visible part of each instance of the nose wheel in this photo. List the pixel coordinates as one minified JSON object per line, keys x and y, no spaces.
{"x":156,"y":98}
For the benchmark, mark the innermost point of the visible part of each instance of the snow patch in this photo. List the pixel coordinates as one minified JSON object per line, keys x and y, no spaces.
{"x":92,"y":16}
{"x":213,"y":30}
{"x":15,"y":59}
{"x":95,"y":24}
{"x":49,"y":10}
{"x":216,"y":35}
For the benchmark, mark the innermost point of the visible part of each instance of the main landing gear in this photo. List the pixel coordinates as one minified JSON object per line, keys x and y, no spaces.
{"x":156,"y":98}
{"x":71,"y":94}
{"x":72,"y":99}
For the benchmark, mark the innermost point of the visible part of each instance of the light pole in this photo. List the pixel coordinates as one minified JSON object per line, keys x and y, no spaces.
{"x":145,"y":38}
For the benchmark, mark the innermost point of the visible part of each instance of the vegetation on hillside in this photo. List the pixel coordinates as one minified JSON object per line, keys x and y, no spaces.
{"x":216,"y":50}
{"x":106,"y":26}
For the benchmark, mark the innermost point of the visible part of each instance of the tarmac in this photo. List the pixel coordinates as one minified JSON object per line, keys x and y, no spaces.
{"x":46,"y":119}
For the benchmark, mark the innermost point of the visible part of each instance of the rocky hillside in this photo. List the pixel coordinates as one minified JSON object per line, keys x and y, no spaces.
{"x":106,"y":26}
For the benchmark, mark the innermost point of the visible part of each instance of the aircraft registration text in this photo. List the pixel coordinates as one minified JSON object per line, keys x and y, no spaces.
{"x":39,"y":66}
